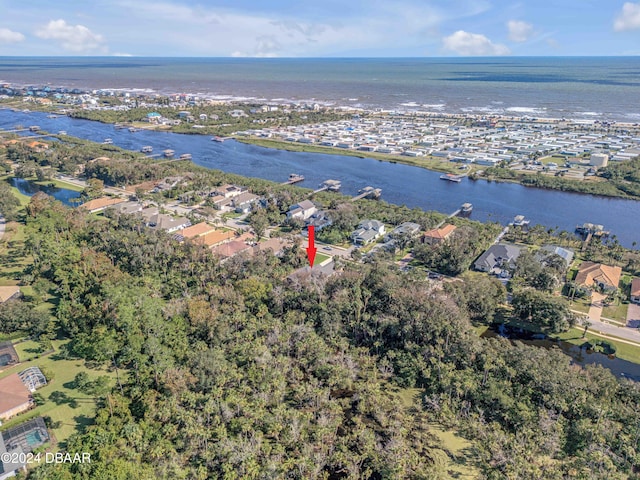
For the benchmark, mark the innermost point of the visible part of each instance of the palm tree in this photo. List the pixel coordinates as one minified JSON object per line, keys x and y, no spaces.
{"x":586,"y":324}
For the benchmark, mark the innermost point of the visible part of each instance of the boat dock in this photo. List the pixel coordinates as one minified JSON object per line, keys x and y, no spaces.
{"x":452,"y":177}
{"x":520,"y":221}
{"x":368,"y":192}
{"x":465,"y":209}
{"x":330,"y":185}
{"x":294,"y":178}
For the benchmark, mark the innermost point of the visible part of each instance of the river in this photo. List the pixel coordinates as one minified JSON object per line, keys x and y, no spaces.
{"x":400,"y":184}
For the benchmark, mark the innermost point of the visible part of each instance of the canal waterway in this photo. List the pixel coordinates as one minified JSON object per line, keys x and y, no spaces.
{"x":400,"y":184}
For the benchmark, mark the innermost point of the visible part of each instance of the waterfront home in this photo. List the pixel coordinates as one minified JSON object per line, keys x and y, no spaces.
{"x":228,"y":191}
{"x":302,"y":210}
{"x":547,"y":251}
{"x":367,"y":232}
{"x":438,"y":235}
{"x":406,"y":230}
{"x":498,"y":259}
{"x":604,"y":277}
{"x":635,"y":290}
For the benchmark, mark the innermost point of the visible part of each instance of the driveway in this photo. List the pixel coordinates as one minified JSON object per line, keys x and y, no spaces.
{"x":633,"y":316}
{"x":595,"y":310}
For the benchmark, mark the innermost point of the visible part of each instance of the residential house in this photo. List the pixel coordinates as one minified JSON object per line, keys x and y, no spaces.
{"x":406,"y":230}
{"x":302,"y":210}
{"x":548,"y":250}
{"x":244,"y":202}
{"x":237,"y":113}
{"x":227,"y":191}
{"x":9,"y":292}
{"x":598,"y":275}
{"x":15,"y":397}
{"x":318,"y":220}
{"x":367,"y":232}
{"x":498,"y":258}
{"x":438,"y":235}
{"x":8,"y":468}
{"x":128,"y":208}
{"x":304,"y":274}
{"x":194,"y":231}
{"x":275,"y":245}
{"x":215,"y":237}
{"x":635,"y":290}
{"x":99,"y":204}
{"x":168,"y":223}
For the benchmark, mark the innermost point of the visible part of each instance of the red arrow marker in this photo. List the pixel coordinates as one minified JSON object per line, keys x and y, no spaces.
{"x":311,"y":249}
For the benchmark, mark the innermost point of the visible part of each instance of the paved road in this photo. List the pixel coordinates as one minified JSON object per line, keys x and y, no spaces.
{"x":630,"y":334}
{"x":2,"y":225}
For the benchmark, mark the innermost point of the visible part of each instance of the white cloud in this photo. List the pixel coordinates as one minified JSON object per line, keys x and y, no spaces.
{"x":75,"y":38}
{"x":405,"y":25}
{"x":9,"y":36}
{"x":629,"y":18}
{"x":519,"y":31}
{"x":473,"y":44}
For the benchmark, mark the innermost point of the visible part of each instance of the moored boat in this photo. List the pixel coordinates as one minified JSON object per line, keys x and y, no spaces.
{"x":452,"y":177}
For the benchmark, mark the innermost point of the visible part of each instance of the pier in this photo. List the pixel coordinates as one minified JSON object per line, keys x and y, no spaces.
{"x":294,"y":178}
{"x":465,"y":209}
{"x":330,"y":185}
{"x":368,"y":192}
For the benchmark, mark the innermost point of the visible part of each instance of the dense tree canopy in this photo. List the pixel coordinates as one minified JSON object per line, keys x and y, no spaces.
{"x":232,"y":372}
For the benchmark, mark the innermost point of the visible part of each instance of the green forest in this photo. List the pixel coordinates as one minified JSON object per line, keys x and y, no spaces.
{"x":231,"y":371}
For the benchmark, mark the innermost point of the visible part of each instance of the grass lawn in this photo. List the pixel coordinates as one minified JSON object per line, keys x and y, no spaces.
{"x":59,"y":183}
{"x":28,"y":350}
{"x":581,"y":305}
{"x":72,"y":408}
{"x":320,"y":257}
{"x":616,"y":312}
{"x":624,"y":350}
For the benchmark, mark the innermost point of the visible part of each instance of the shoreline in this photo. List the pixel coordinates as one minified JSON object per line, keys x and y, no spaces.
{"x":428,"y":162}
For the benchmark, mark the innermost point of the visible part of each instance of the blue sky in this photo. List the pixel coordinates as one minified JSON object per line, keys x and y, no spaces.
{"x":323,"y":28}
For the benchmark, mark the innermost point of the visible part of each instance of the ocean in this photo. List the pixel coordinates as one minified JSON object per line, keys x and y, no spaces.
{"x":556,"y":87}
